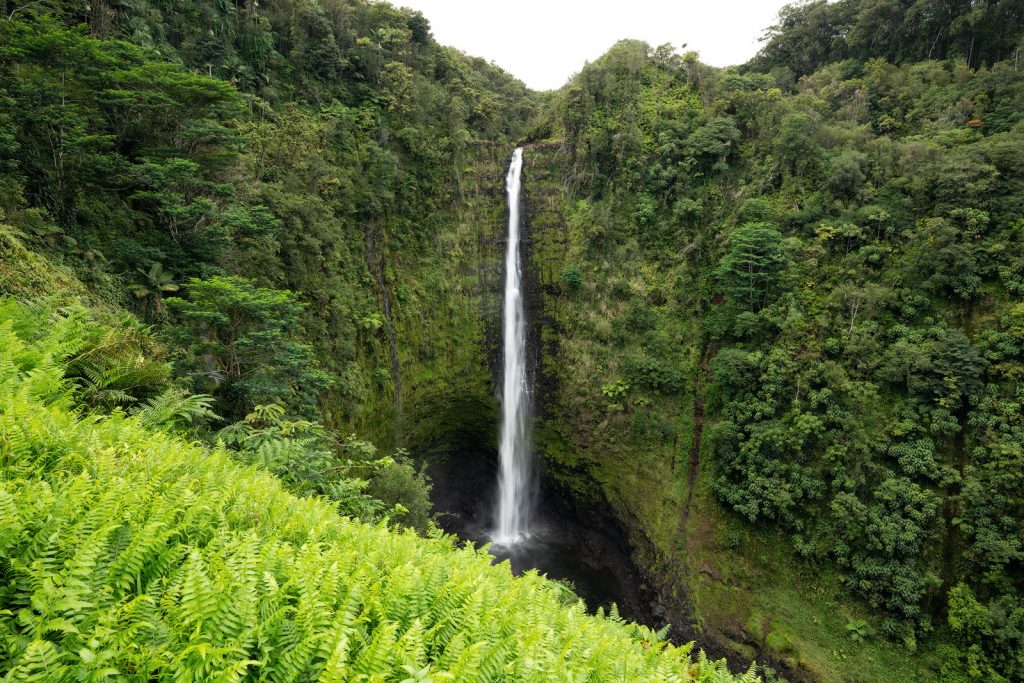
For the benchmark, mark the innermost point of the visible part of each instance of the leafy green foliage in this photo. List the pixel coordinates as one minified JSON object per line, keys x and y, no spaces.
{"x":827,"y":239}
{"x":308,"y":148}
{"x":175,"y":408}
{"x":747,"y":272}
{"x":858,"y":629}
{"x":653,"y":374}
{"x":405,"y":489}
{"x":108,"y":367}
{"x":132,"y":554}
{"x":572,"y":278}
{"x":810,"y":35}
{"x":240,"y":344}
{"x":311,"y":461}
{"x":301,"y":454}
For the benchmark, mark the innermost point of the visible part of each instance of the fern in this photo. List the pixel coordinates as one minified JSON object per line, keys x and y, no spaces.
{"x":114,"y":367}
{"x":175,"y":407}
{"x":131,"y":554}
{"x":40,"y":662}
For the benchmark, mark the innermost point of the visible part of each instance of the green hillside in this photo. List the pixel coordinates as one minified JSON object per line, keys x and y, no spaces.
{"x":129,"y":553}
{"x":784,"y":314}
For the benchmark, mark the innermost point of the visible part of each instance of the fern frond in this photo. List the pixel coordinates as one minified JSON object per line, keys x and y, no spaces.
{"x":175,"y":407}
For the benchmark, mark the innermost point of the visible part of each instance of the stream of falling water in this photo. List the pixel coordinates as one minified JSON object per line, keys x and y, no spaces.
{"x":514,"y":476}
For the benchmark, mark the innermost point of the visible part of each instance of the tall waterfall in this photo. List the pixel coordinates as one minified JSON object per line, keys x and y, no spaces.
{"x":514,"y":478}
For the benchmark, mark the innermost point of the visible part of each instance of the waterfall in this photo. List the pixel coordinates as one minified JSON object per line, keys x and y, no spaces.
{"x":514,"y":478}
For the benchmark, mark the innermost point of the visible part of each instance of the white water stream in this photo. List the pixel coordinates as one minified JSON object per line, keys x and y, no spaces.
{"x":514,"y":476}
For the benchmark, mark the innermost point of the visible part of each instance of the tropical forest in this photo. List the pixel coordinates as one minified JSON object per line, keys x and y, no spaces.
{"x":329,"y":352}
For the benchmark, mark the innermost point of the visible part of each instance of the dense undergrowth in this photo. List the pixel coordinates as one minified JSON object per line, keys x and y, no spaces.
{"x":129,"y":553}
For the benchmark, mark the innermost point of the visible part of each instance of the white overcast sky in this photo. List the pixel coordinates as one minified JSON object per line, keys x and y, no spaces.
{"x":543,"y":42}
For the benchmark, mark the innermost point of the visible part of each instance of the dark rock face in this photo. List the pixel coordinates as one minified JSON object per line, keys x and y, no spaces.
{"x":590,"y":550}
{"x":579,"y":541}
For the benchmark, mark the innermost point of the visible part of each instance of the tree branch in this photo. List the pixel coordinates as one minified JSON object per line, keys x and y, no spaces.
{"x":10,"y":17}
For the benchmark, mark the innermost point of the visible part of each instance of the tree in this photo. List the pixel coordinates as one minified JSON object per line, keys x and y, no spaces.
{"x":795,"y":144}
{"x":240,"y":343}
{"x":846,"y":173}
{"x":746,"y":274}
{"x":947,"y":258}
{"x":419,"y":26}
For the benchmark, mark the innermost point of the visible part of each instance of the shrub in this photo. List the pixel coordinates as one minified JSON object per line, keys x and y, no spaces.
{"x":656,"y":374}
{"x":572,"y":278}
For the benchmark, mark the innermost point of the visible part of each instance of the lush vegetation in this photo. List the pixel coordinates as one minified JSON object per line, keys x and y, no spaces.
{"x":271,"y":207}
{"x":832,"y":266}
{"x":281,"y":195}
{"x":161,"y":152}
{"x":813,"y":34}
{"x":781,"y":336}
{"x":275,"y":194}
{"x":129,"y":554}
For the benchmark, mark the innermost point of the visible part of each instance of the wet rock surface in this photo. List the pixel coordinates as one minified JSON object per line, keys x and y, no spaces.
{"x":583,"y":545}
{"x":593,"y":558}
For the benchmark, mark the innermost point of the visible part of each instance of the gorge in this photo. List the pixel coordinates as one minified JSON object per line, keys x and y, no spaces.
{"x":299,"y":308}
{"x":530,"y":523}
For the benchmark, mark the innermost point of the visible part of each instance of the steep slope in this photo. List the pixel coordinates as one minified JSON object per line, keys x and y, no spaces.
{"x":331,"y":149}
{"x":781,"y":341}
